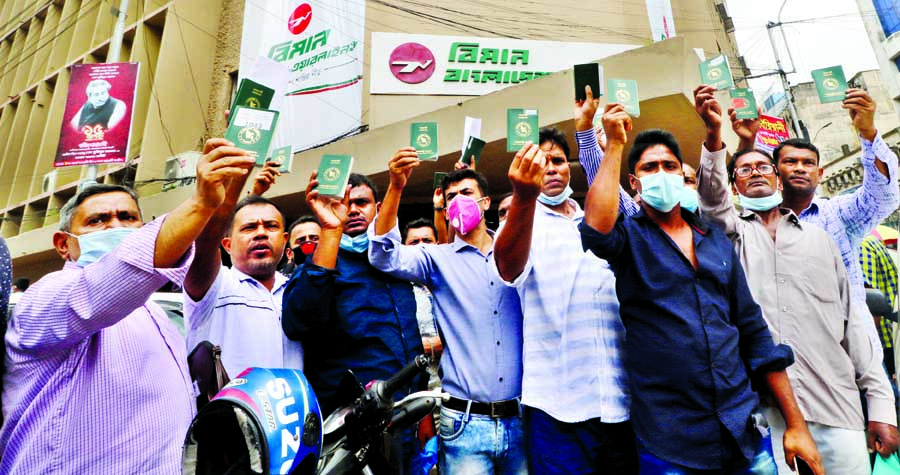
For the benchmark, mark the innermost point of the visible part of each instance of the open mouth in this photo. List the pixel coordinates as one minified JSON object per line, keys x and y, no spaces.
{"x":260,"y":250}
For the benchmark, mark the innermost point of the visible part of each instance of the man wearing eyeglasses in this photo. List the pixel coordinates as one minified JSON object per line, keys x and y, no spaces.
{"x":796,"y":274}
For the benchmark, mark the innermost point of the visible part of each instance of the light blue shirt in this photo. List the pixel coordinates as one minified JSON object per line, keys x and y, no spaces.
{"x":574,"y":337}
{"x":849,"y":218}
{"x":479,"y":317}
{"x":243,"y":317}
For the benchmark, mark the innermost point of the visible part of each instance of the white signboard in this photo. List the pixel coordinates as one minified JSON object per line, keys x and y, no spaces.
{"x":320,"y":45}
{"x":662,"y":24}
{"x":470,"y":66}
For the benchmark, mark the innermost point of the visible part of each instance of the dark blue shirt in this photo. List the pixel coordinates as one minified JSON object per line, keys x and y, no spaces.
{"x":352,"y":317}
{"x":692,"y":337}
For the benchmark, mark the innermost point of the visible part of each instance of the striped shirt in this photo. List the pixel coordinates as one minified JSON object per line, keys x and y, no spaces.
{"x":244,"y":318}
{"x":573,"y":337}
{"x":880,"y":272}
{"x":590,"y":156}
{"x":849,"y":218}
{"x":97,"y":378}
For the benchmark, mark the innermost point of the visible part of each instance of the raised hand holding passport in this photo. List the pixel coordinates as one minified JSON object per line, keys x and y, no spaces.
{"x":862,"y":112}
{"x":526,"y":172}
{"x":585,"y":110}
{"x":401,"y":166}
{"x":616,"y":123}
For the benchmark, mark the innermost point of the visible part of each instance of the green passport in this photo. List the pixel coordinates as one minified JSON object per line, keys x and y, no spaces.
{"x":438,"y":179}
{"x":831,"y":84}
{"x":252,"y":130}
{"x":625,"y":92}
{"x":521,"y":127}
{"x":473,"y":149}
{"x":334,"y":173}
{"x":253,"y":95}
{"x":284,"y":158}
{"x":423,"y":137}
{"x":716,"y":72}
{"x":744,"y":103}
{"x":589,"y":74}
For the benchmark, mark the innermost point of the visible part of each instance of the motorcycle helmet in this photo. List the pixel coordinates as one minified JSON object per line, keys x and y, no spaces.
{"x":265,"y":421}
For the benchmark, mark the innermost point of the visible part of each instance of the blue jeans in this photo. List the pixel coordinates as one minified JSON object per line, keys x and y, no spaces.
{"x":763,"y":462}
{"x":473,"y":444}
{"x":579,"y":448}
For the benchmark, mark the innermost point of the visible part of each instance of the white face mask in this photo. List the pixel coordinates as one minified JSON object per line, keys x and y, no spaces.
{"x":97,"y":244}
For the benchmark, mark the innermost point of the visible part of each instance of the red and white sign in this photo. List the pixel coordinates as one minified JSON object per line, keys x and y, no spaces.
{"x":97,"y":121}
{"x":300,"y":19}
{"x":772,"y":131}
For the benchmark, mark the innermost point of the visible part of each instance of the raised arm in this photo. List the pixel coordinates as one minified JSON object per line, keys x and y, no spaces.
{"x":265,"y":178}
{"x":440,"y":219}
{"x":590,"y":153}
{"x":879,"y":194}
{"x":386,"y":253}
{"x":712,"y":175}
{"x":513,"y":244}
{"x":63,"y":311}
{"x":602,"y":203}
{"x":207,"y":258}
{"x":308,"y":297}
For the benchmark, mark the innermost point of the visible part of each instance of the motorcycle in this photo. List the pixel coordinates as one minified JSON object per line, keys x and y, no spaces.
{"x":268,"y":421}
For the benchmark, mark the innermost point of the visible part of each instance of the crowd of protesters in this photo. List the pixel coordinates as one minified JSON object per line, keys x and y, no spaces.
{"x":714,"y":321}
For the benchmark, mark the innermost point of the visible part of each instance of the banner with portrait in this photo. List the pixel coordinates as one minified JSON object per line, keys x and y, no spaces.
{"x":97,"y":120}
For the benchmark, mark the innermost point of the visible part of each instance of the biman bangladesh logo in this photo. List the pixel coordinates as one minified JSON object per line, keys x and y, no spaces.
{"x":412,"y":63}
{"x":523,"y":129}
{"x":830,"y":83}
{"x":250,"y":135}
{"x":423,"y":140}
{"x":332,"y":173}
{"x":300,"y":19}
{"x":623,"y":95}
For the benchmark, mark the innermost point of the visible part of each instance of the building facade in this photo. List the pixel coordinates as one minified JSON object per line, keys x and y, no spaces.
{"x":189,"y":52}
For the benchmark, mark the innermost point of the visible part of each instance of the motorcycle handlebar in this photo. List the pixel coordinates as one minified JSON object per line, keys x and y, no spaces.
{"x":396,"y":382}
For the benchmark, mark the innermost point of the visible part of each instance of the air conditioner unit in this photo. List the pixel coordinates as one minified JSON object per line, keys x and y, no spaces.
{"x":48,"y":183}
{"x":183,"y":165}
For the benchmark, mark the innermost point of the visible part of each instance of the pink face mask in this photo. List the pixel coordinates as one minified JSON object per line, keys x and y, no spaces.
{"x":465,"y":213}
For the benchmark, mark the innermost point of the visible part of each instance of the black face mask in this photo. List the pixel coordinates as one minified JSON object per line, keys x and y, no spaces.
{"x":302,"y":251}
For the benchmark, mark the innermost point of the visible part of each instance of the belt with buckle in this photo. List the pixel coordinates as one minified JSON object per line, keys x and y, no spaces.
{"x":497,"y":410}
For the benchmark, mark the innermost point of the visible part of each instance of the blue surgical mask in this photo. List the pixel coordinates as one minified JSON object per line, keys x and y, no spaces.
{"x":689,"y":200}
{"x":97,"y":244}
{"x":556,"y":200}
{"x":358,"y":244}
{"x":760,"y":204}
{"x":662,"y":191}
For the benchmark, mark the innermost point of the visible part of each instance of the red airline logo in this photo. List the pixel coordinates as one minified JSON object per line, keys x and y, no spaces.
{"x":300,"y":19}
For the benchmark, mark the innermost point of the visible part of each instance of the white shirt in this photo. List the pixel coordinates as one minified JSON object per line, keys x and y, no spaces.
{"x":243,"y":317}
{"x":573,"y":336}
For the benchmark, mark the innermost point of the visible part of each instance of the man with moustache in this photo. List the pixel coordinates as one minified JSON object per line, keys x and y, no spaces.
{"x":239,"y":308}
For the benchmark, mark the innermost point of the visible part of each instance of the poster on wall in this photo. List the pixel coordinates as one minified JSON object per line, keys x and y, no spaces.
{"x":662,"y":22}
{"x":319,"y":45}
{"x":772,"y":131}
{"x":97,"y":120}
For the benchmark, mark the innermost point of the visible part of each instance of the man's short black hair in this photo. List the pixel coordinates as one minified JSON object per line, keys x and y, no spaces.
{"x":650,"y":138}
{"x":252,"y":200}
{"x":22,"y":283}
{"x":796,"y":143}
{"x":416,"y":224}
{"x":552,"y":134}
{"x":68,"y":210}
{"x":457,"y":176}
{"x":308,"y":218}
{"x":740,"y":153}
{"x":357,"y":179}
